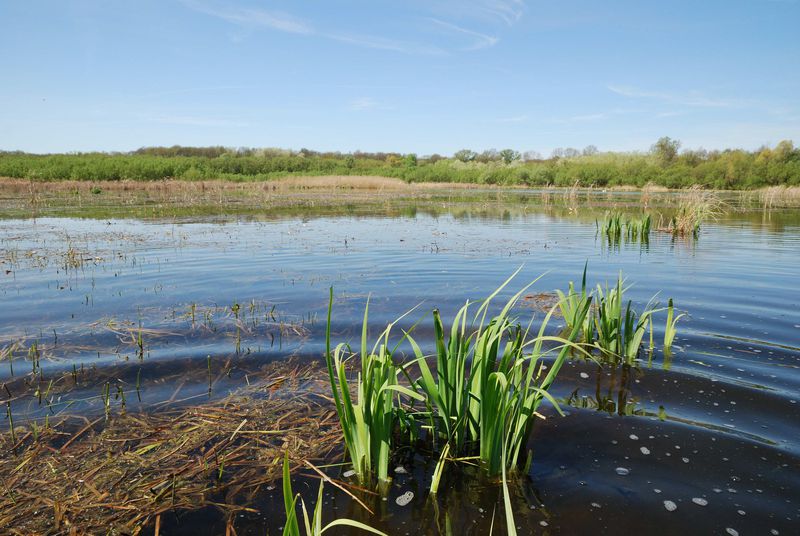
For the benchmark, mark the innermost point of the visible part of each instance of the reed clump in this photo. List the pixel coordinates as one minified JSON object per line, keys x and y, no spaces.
{"x":481,"y":391}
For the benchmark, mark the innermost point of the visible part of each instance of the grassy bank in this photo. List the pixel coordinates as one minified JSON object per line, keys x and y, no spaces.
{"x":729,"y":170}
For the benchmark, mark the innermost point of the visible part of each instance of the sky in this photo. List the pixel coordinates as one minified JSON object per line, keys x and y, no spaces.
{"x":422,"y":76}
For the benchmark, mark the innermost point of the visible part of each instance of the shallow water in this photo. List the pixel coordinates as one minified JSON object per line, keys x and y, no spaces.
{"x":712,"y":430}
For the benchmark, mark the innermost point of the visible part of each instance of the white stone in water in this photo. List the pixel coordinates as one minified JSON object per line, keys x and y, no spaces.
{"x":732,"y":532}
{"x":543,"y":523}
{"x":656,"y":490}
{"x":670,"y":506}
{"x":685,"y":460}
{"x":348,"y":474}
{"x":741,"y":512}
{"x":699,"y":501}
{"x":634,"y":437}
{"x":400,"y":470}
{"x":622,"y":471}
{"x":584,"y":375}
{"x":645,"y":450}
{"x":774,"y":532}
{"x":405,"y":498}
{"x":595,"y":505}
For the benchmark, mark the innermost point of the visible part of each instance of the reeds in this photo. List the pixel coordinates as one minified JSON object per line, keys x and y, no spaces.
{"x":694,"y":207}
{"x":670,"y":329}
{"x":313,"y":525}
{"x":368,"y":422}
{"x":614,"y":328}
{"x":482,"y":400}
{"x":614,"y":227}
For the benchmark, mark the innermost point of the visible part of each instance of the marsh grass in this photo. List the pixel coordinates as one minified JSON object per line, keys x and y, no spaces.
{"x":118,"y":476}
{"x":695,"y":206}
{"x":368,"y":420}
{"x":313,"y":525}
{"x":614,"y":327}
{"x":489,"y":382}
{"x":615,"y":227}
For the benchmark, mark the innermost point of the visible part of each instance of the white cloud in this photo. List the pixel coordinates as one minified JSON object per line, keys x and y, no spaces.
{"x":480,"y":40}
{"x":275,"y":20}
{"x":691,"y":98}
{"x":363,"y":103}
{"x":192,"y":121}
{"x":513,"y":119}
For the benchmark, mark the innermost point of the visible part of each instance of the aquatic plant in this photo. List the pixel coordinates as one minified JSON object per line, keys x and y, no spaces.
{"x":490,"y":410}
{"x":571,"y":306}
{"x":313,"y":525}
{"x":670,"y":330}
{"x":695,"y":206}
{"x":368,"y":422}
{"x":620,"y":329}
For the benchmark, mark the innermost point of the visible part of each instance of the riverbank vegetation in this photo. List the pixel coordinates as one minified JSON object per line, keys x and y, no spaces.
{"x":664,"y":165}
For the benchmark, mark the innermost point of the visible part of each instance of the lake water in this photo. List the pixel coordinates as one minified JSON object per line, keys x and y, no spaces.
{"x":713,"y":430}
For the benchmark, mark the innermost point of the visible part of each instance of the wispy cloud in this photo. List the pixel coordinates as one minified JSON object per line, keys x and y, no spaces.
{"x":480,"y":40}
{"x":691,"y":98}
{"x":380,"y":43}
{"x":599,"y":116}
{"x":250,"y":17}
{"x":509,"y":11}
{"x":513,"y":119}
{"x":192,"y":121}
{"x":363,"y":103}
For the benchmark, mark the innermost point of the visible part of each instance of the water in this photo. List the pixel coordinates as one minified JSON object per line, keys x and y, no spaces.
{"x":701,"y":441}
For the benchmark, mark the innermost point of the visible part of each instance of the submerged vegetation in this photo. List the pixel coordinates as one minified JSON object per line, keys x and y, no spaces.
{"x":664,"y":166}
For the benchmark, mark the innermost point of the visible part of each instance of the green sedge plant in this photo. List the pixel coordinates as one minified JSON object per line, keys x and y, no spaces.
{"x":313,"y":525}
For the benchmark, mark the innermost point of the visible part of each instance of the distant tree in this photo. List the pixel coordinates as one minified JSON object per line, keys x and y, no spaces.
{"x":465,"y":155}
{"x":666,"y":149}
{"x":435,"y":157}
{"x":489,"y":155}
{"x":530,"y":156}
{"x":350,"y":161}
{"x":783,"y":151}
{"x":410,"y":160}
{"x":590,"y":150}
{"x":558,"y":152}
{"x":571,"y":152}
{"x":509,"y":155}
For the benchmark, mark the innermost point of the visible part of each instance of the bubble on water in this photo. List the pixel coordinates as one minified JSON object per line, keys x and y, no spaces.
{"x":405,"y":498}
{"x":400,"y":470}
{"x":699,"y":501}
{"x":774,"y":532}
{"x":584,"y":376}
{"x":741,"y":512}
{"x":656,"y":490}
{"x":685,"y":460}
{"x":670,"y":506}
{"x":732,"y":532}
{"x":595,"y":505}
{"x":645,"y":450}
{"x":622,"y":471}
{"x":348,"y":474}
{"x":543,"y":523}
{"x":634,"y":437}
{"x":717,"y":490}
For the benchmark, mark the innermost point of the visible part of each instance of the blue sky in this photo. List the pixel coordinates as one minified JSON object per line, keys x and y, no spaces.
{"x":418,"y":76}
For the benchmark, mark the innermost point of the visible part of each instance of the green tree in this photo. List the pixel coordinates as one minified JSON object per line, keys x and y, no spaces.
{"x":465,"y":155}
{"x":666,"y":149}
{"x":509,"y":155}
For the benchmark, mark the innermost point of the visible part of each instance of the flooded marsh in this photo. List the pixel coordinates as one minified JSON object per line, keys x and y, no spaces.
{"x":160,"y":351}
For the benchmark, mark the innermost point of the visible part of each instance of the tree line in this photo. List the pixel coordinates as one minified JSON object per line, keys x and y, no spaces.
{"x":664,"y":164}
